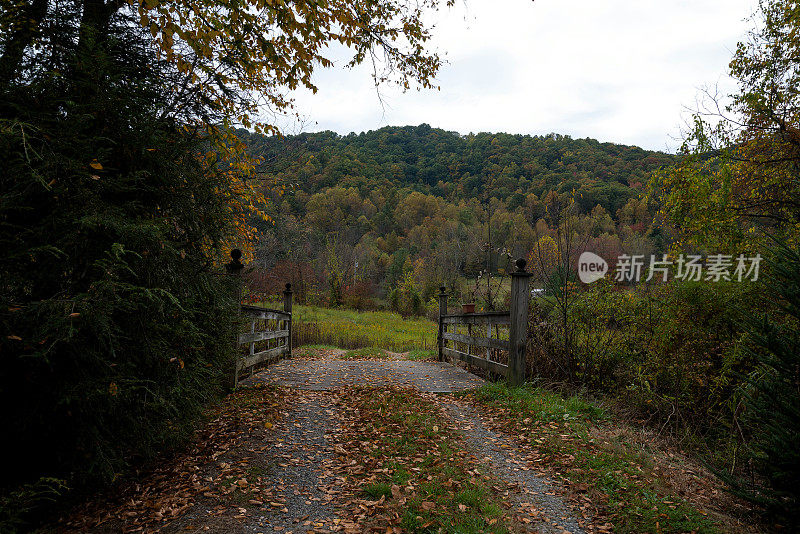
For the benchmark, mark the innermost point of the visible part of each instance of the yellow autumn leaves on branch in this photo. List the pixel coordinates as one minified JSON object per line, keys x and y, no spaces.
{"x":737,"y":181}
{"x":245,"y":57}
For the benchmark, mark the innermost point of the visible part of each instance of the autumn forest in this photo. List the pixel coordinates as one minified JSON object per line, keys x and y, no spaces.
{"x":356,"y":214}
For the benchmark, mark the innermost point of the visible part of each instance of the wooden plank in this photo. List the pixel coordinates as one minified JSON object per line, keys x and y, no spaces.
{"x":489,"y":365}
{"x":252,"y":331}
{"x":489,"y":336}
{"x":287,"y":307}
{"x":254,"y":337}
{"x":264,"y":313}
{"x":260,"y":357}
{"x":268,"y":314}
{"x":478,"y":341}
{"x":478,"y":318}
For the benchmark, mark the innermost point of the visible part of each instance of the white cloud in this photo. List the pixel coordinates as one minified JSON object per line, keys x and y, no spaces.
{"x":615,"y":70}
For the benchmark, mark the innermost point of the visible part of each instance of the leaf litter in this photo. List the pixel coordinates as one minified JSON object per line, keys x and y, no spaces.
{"x":360,"y":459}
{"x":221,"y":473}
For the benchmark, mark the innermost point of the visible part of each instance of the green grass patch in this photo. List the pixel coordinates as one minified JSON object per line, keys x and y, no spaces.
{"x":399,"y":474}
{"x":426,"y":354}
{"x":419,"y":466}
{"x":313,"y":351}
{"x":318,"y":347}
{"x":558,"y":428}
{"x":366,"y":352}
{"x":350,"y":329}
{"x":538,"y":404}
{"x":378,"y":490}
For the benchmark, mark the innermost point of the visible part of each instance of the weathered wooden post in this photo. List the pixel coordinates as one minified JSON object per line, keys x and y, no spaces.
{"x":518,"y":336}
{"x":287,"y":307}
{"x":442,"y":328}
{"x":234,"y":268}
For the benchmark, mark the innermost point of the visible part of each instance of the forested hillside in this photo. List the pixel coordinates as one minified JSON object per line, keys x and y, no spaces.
{"x":454,"y":166}
{"x":366,"y":213}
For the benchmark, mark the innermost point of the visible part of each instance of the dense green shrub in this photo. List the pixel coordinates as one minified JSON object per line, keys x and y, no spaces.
{"x":594,"y":343}
{"x":671,"y":352}
{"x":115,"y":324}
{"x":689,"y":367}
{"x":608,"y":335}
{"x":772,"y":401}
{"x":406,"y":299}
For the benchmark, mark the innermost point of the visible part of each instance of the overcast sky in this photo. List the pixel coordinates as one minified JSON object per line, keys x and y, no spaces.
{"x":615,"y":70}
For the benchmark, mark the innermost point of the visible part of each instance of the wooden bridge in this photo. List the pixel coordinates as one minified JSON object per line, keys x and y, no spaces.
{"x":493,"y":341}
{"x":269,"y":338}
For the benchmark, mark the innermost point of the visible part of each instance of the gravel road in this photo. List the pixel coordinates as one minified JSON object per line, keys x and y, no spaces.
{"x":536,"y":500}
{"x":302,"y":450}
{"x":320,"y":375}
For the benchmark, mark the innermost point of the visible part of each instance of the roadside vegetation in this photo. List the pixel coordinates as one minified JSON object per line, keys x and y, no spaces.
{"x":670,"y":353}
{"x":569,"y":437}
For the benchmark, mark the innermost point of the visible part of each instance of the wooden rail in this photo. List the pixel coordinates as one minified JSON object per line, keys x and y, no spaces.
{"x":516,"y":319}
{"x":275,"y":330}
{"x":489,"y":343}
{"x":478,"y":318}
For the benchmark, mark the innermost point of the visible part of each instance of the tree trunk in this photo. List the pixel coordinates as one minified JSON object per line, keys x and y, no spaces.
{"x":11,"y":60}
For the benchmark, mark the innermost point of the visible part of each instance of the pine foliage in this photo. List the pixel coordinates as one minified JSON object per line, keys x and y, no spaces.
{"x":773,"y":395}
{"x":116,"y":323}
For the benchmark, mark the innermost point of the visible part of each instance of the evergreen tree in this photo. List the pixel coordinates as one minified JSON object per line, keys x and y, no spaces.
{"x":772,"y":411}
{"x":116,"y":326}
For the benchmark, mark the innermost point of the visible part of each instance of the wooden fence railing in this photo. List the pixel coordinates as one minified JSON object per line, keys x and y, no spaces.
{"x":270,"y":335}
{"x":270,"y":332}
{"x":502,"y":349}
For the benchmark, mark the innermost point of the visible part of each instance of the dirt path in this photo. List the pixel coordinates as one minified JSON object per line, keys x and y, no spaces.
{"x":272,"y":462}
{"x":537,"y":501}
{"x":299,"y":471}
{"x":294,"y":461}
{"x":331,"y":374}
{"x":298,"y":450}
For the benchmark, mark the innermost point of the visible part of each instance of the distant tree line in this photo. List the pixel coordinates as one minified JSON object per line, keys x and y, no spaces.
{"x":359,"y":216}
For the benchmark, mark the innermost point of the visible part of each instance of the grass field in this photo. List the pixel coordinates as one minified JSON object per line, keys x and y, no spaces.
{"x":350,"y":329}
{"x":366,"y":353}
